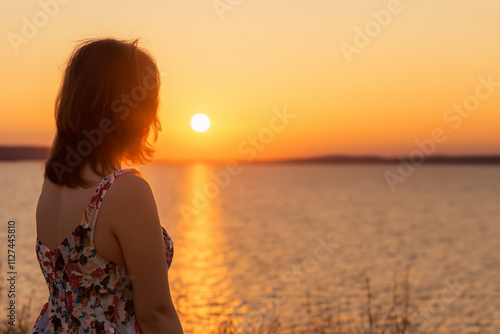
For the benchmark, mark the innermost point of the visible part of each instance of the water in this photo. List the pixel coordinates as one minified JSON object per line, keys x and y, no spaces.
{"x":298,"y":241}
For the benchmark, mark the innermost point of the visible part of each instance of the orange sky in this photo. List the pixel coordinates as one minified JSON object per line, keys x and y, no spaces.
{"x":239,"y":63}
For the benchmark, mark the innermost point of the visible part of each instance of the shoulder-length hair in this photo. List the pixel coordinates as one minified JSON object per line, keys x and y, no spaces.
{"x":105,"y":110}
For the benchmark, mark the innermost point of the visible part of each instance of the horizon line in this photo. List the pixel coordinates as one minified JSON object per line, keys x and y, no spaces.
{"x":28,"y":152}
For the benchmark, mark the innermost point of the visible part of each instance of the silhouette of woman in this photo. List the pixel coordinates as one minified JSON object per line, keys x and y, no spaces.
{"x":101,"y":247}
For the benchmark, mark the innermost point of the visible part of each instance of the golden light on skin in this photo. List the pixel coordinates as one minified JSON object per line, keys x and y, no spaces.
{"x":200,"y":122}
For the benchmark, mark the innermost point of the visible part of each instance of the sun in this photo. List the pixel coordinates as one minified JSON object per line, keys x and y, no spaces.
{"x":200,"y":122}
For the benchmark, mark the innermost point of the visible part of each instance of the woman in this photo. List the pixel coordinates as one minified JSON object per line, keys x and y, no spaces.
{"x":100,"y":244}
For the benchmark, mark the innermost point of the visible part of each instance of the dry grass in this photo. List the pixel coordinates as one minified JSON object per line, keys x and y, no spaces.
{"x":21,"y":325}
{"x":22,"y":314}
{"x":394,"y":320}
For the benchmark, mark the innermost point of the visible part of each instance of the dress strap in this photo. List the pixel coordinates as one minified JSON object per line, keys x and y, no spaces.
{"x":96,"y":202}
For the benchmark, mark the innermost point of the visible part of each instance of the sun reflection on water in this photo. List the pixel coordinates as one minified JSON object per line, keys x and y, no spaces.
{"x":200,"y":281}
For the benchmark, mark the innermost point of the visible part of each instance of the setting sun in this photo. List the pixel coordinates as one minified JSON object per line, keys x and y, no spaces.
{"x":200,"y":122}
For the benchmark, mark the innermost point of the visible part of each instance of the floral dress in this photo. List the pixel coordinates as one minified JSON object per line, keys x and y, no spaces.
{"x":88,"y":294}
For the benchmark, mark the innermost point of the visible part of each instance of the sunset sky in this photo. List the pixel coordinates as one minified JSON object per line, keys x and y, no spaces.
{"x":358,"y":76}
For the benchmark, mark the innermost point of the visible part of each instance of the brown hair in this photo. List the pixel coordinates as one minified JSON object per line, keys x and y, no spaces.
{"x":105,"y":110}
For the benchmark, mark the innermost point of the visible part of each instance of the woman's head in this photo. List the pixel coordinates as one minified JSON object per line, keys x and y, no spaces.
{"x":105,"y":110}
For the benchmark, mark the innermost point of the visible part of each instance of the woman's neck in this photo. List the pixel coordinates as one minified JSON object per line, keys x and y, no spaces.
{"x":89,"y":174}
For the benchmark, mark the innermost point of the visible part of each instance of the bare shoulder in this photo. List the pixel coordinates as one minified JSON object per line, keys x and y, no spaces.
{"x":129,"y":201}
{"x":130,"y":185}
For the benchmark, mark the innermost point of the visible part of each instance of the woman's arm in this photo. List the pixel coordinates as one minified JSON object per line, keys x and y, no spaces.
{"x":136,"y":224}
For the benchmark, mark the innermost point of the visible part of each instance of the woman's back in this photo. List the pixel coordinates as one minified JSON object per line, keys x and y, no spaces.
{"x":88,"y":292}
{"x":60,"y":210}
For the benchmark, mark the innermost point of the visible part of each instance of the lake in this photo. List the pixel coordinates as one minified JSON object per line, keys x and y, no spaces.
{"x":297,"y":242}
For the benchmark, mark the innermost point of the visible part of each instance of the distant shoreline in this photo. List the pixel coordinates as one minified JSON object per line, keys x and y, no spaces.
{"x":433,"y":159}
{"x":16,"y":153}
{"x":20,"y":153}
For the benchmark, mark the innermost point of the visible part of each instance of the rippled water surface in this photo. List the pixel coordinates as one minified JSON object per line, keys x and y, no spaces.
{"x":298,"y":241}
